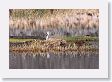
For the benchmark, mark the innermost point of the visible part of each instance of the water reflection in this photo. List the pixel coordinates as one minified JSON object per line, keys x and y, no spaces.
{"x":51,"y":60}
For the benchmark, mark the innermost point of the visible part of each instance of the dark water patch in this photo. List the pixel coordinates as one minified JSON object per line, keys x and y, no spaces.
{"x":59,"y":60}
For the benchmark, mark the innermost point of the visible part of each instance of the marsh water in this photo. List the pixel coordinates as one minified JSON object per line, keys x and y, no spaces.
{"x":57,"y":60}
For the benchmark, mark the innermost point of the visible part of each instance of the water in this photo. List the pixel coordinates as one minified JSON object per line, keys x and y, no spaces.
{"x":50,"y":60}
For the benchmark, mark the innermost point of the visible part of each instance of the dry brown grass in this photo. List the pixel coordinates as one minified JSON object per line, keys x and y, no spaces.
{"x":51,"y":45}
{"x":86,"y":18}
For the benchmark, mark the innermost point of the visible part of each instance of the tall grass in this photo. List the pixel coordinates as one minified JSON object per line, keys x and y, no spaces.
{"x":59,"y":21}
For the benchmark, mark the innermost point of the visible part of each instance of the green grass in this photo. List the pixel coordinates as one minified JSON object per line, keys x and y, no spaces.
{"x":18,"y":40}
{"x":78,"y":38}
{"x":67,"y":38}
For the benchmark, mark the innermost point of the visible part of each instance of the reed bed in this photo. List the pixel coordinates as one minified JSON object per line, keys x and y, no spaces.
{"x":28,"y":21}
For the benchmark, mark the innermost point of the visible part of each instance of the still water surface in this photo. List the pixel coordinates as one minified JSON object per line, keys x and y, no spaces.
{"x":49,"y":60}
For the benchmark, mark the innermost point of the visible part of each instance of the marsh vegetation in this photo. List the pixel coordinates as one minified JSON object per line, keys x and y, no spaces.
{"x":54,"y":38}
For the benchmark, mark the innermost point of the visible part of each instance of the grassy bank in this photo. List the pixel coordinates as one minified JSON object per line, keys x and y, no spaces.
{"x":64,"y":44}
{"x":82,"y":38}
{"x":67,"y":38}
{"x":19,"y":40}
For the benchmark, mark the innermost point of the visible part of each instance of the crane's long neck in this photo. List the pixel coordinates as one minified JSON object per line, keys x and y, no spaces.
{"x":47,"y":36}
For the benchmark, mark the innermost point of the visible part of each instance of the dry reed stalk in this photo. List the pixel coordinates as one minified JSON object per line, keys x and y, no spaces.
{"x":61,"y":18}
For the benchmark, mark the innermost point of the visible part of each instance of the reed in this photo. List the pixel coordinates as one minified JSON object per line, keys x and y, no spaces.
{"x":69,"y":19}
